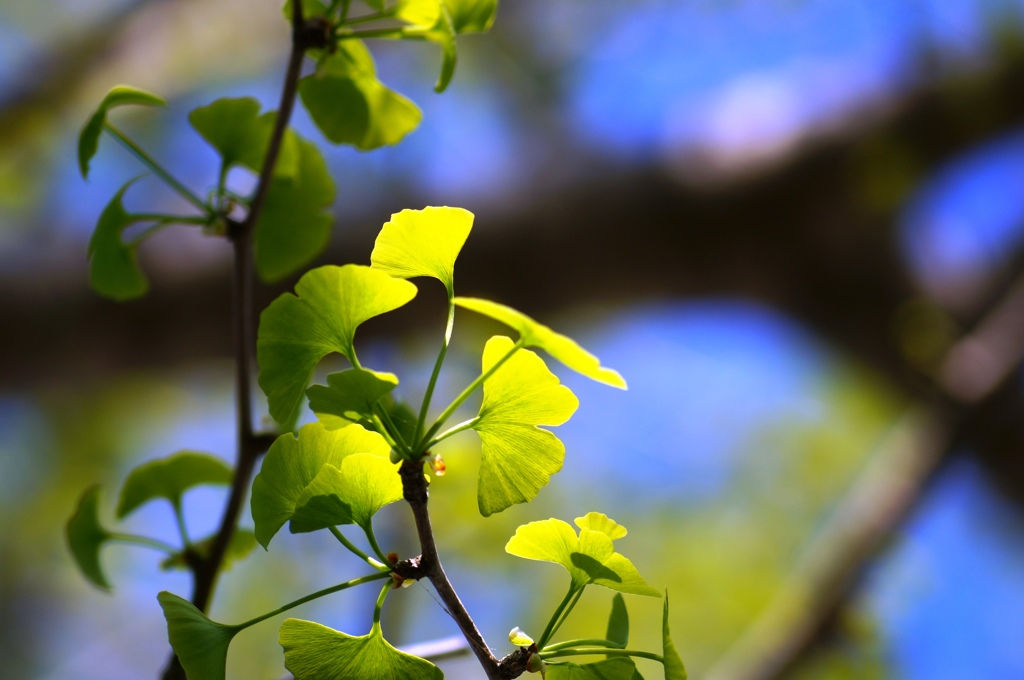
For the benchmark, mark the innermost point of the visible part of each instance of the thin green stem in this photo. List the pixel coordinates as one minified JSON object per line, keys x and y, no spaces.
{"x":368,"y":530}
{"x":384,"y":432}
{"x":176,"y":219}
{"x":367,"y":18}
{"x":565,"y":614}
{"x":389,"y":423}
{"x":179,"y":517}
{"x":466,"y":393}
{"x":607,"y":651}
{"x":356,"y":551}
{"x":380,"y":604}
{"x":429,"y":394}
{"x":370,"y":33}
{"x":222,"y":178}
{"x":549,"y":630}
{"x":345,"y":4}
{"x":145,"y":542}
{"x":313,"y":596}
{"x":157,"y":169}
{"x":464,"y":425}
{"x":586,"y":642}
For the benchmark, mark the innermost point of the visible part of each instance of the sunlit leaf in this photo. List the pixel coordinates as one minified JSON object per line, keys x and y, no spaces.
{"x":674,"y":669}
{"x":296,"y":332}
{"x":241,"y":544}
{"x":618,"y":622}
{"x":535,"y":334}
{"x":169,"y":478}
{"x":350,"y":395}
{"x":296,"y":220}
{"x":588,"y":557}
{"x":351,"y":106}
{"x":86,"y":537}
{"x":200,"y":644}
{"x":598,"y":521}
{"x":618,"y":668}
{"x":423,"y":243}
{"x":315,"y":652}
{"x":122,"y":95}
{"x":293,"y":462}
{"x":113,"y":265}
{"x":472,"y":16}
{"x":518,"y":458}
{"x":520,"y":639}
{"x":349,"y":494}
{"x":235,"y":128}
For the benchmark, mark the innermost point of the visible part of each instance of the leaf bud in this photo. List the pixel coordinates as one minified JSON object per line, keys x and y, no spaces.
{"x":437,"y":464}
{"x":395,"y":456}
{"x":537,"y":665}
{"x":520,"y":639}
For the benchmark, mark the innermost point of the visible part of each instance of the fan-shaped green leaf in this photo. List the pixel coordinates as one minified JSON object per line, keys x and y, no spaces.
{"x":350,"y":395}
{"x":296,"y":219}
{"x":200,"y":644}
{"x":588,"y":557}
{"x":674,"y":668}
{"x":518,"y":458}
{"x":86,"y":537}
{"x":351,"y":494}
{"x":618,"y":622}
{"x":617,"y":668}
{"x":122,"y":95}
{"x":423,"y":243}
{"x":535,"y":334}
{"x":296,"y":332}
{"x":293,"y":462}
{"x":472,"y":16}
{"x":241,"y":544}
{"x":169,"y":478}
{"x":235,"y":128}
{"x":113,"y":266}
{"x":351,"y":106}
{"x":598,"y":521}
{"x":315,"y":652}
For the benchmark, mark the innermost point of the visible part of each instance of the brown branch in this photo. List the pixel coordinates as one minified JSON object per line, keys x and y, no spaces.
{"x":880,"y":500}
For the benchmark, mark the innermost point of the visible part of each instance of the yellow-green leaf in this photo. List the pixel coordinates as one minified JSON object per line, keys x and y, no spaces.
{"x":535,"y":334}
{"x":200,"y":644}
{"x":350,"y":395}
{"x":297,"y":331}
{"x":518,"y":458}
{"x":423,"y":243}
{"x":472,"y":16}
{"x":113,"y":266}
{"x":86,"y":537}
{"x":598,"y":521}
{"x":169,"y":478}
{"x":674,"y":669}
{"x":235,"y":128}
{"x":122,"y":95}
{"x":349,"y":494}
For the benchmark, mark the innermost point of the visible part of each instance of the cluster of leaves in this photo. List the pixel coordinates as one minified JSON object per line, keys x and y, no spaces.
{"x":341,"y":469}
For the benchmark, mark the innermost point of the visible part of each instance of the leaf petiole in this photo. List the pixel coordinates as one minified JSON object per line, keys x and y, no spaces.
{"x":356,"y":551}
{"x":313,"y":596}
{"x":380,"y":605}
{"x":464,"y":425}
{"x":570,"y":644}
{"x":429,"y":394}
{"x":372,"y":33}
{"x":368,"y":530}
{"x":179,"y":517}
{"x":607,"y":651}
{"x":145,"y":542}
{"x":553,"y":623}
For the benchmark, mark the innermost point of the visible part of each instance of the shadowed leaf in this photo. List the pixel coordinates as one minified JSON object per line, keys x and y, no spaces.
{"x":200,"y":644}
{"x":86,"y":536}
{"x":349,"y":494}
{"x":169,"y":478}
{"x":351,"y":394}
{"x":618,"y":622}
{"x":122,"y":95}
{"x":113,"y":265}
{"x":674,"y":669}
{"x":235,"y":128}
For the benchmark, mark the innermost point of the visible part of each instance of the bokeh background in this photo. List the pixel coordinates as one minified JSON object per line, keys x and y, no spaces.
{"x":792,"y":225}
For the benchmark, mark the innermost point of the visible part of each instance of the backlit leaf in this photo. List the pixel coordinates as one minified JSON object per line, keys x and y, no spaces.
{"x":200,"y":644}
{"x":351,"y":106}
{"x":518,"y":458}
{"x":86,"y":537}
{"x":674,"y":669}
{"x":122,"y":95}
{"x":617,"y":668}
{"x":293,"y":462}
{"x":113,"y":265}
{"x":535,"y":334}
{"x":588,"y":557}
{"x":297,"y":331}
{"x":296,"y":220}
{"x":315,"y":652}
{"x":618,"y":622}
{"x":423,"y":243}
{"x":349,"y":494}
{"x":169,"y":478}
{"x":241,"y":544}
{"x":598,"y":521}
{"x":472,"y":16}
{"x":235,"y":128}
{"x":350,"y":395}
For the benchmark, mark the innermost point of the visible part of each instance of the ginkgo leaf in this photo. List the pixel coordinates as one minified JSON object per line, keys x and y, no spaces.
{"x":598,"y":521}
{"x":351,"y":106}
{"x":297,"y":331}
{"x":588,"y":557}
{"x":122,"y":95}
{"x":472,"y":16}
{"x":200,"y":644}
{"x":517,"y":457}
{"x":618,"y":622}
{"x":169,"y":478}
{"x":617,"y":668}
{"x":315,"y":652}
{"x":86,"y":537}
{"x":423,"y":243}
{"x":241,"y":544}
{"x":293,"y":462}
{"x":235,"y":128}
{"x":113,"y":265}
{"x":535,"y":334}
{"x":350,"y":395}
{"x":674,"y":668}
{"x":349,"y":494}
{"x":296,"y":220}
{"x":440,"y":30}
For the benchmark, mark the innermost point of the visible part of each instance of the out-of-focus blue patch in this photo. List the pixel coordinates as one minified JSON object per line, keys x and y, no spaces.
{"x":24,"y":447}
{"x":950,"y":595}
